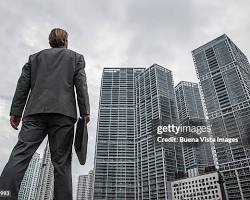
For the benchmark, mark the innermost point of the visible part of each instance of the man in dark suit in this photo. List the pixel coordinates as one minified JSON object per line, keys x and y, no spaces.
{"x":49,"y":80}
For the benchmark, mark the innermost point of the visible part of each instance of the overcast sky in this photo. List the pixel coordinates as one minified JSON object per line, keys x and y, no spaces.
{"x":112,"y":33}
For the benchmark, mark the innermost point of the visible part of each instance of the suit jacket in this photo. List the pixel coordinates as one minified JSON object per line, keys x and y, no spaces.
{"x":48,"y":80}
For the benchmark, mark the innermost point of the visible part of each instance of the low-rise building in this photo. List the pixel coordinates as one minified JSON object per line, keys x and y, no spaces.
{"x":202,"y":187}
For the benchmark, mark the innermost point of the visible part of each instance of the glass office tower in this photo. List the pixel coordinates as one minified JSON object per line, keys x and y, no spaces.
{"x":115,"y":158}
{"x":157,"y":163}
{"x":129,"y":163}
{"x":224,"y":74}
{"x":190,"y":110}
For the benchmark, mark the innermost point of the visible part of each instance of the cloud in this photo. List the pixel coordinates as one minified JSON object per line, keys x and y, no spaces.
{"x":113,"y":33}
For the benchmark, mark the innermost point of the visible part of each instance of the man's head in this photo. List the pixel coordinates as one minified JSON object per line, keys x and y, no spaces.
{"x":58,"y":38}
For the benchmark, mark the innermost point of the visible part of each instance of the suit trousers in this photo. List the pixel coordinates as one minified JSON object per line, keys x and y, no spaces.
{"x":60,"y":131}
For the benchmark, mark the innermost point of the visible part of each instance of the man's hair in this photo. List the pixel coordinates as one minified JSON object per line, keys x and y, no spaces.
{"x":58,"y":37}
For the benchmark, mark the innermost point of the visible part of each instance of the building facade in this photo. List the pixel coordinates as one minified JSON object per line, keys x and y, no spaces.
{"x":156,"y":163}
{"x":29,"y":184}
{"x":199,"y":155}
{"x":188,"y":101}
{"x":115,"y":142}
{"x":46,"y":179}
{"x":205,"y":186}
{"x":129,"y":163}
{"x":224,"y":74}
{"x":85,"y":187}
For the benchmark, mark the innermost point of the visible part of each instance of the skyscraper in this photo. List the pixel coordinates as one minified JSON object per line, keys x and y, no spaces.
{"x":46,"y":183}
{"x":190,"y":110}
{"x":115,"y":142}
{"x":156,"y":163}
{"x":188,"y":101}
{"x":29,"y":184}
{"x":224,"y":74}
{"x":129,"y":163}
{"x":85,"y":186}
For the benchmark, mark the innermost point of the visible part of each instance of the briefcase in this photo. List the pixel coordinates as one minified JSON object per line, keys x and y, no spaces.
{"x":81,"y":141}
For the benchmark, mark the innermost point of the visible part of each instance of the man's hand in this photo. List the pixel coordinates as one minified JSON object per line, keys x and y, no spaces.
{"x":15,"y":121}
{"x":86,"y":118}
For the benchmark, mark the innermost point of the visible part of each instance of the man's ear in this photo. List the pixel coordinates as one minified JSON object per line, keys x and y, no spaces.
{"x":66,"y":43}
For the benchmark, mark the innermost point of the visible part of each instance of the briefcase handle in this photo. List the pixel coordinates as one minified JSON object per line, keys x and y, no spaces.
{"x":83,"y":119}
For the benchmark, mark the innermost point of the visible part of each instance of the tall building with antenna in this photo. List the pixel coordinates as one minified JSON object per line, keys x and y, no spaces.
{"x":30,"y":182}
{"x":46,"y":183}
